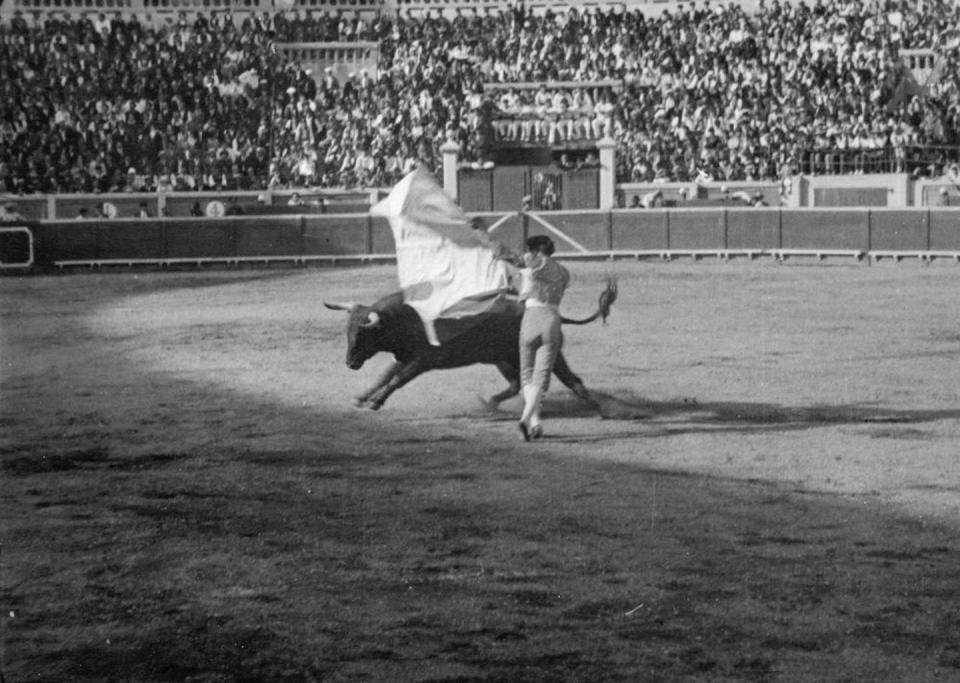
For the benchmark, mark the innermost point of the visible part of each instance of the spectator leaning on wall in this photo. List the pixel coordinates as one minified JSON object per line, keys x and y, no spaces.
{"x":9,"y":213}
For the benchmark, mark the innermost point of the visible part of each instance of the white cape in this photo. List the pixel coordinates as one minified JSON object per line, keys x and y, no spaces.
{"x":445,"y":271}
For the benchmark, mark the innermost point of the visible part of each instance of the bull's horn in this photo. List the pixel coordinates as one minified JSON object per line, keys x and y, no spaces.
{"x":373,"y":319}
{"x":340,"y":306}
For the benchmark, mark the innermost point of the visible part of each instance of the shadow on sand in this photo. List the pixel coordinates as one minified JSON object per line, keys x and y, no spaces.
{"x":687,"y":415}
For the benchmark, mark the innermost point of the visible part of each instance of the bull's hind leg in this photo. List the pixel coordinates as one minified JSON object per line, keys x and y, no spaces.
{"x":572,"y":381}
{"x":512,"y":375}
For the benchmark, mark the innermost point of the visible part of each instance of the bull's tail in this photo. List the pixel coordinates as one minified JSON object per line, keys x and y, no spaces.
{"x":607,"y":297}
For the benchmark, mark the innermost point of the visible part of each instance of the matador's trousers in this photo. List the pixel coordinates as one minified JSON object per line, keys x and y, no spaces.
{"x":541,"y":339}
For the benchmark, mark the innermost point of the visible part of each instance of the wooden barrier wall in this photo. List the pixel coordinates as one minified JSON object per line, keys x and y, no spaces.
{"x":40,"y":207}
{"x":616,"y":233}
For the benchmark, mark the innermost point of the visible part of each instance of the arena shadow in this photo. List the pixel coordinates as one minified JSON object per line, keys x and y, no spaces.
{"x":736,"y":416}
{"x":164,"y":528}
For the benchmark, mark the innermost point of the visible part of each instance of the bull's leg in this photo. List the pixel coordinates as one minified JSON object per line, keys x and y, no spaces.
{"x":575,"y":384}
{"x":402,"y":373}
{"x":512,"y":375}
{"x":382,"y":382}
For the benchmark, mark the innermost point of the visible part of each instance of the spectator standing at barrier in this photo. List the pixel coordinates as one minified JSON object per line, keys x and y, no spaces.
{"x":549,"y":200}
{"x":307,"y":165}
{"x":9,"y":213}
{"x":652,"y":200}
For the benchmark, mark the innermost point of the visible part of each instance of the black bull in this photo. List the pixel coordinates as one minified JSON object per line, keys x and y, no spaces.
{"x":391,"y":326}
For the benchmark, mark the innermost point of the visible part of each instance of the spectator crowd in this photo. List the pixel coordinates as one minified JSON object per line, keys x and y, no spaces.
{"x":704,"y":91}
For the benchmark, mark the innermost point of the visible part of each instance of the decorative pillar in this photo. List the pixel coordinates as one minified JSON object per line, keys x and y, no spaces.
{"x":450,"y":151}
{"x":608,"y":172}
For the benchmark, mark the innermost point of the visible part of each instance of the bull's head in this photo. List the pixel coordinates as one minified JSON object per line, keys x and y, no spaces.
{"x":363,"y":332}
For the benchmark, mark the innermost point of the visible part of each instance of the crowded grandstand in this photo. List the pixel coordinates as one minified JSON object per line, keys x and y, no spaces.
{"x":108,"y":100}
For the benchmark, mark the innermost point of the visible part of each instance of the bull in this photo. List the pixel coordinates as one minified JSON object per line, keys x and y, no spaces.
{"x":391,"y":326}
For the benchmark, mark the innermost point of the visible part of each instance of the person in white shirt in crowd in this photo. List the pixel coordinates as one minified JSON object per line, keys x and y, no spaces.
{"x":9,"y":213}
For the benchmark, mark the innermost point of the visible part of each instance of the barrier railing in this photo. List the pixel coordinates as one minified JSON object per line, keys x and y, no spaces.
{"x":647,"y":7}
{"x":616,"y":85}
{"x":343,"y":59}
{"x":931,"y":193}
{"x":419,"y":6}
{"x":168,"y":8}
{"x":186,"y":204}
{"x":862,"y":234}
{"x":922,"y":64}
{"x":930,"y":160}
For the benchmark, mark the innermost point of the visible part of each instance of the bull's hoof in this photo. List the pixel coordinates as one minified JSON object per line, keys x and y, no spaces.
{"x":364,"y":402}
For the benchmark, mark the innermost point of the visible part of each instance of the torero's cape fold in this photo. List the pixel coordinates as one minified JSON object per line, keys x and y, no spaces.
{"x":447,"y":274}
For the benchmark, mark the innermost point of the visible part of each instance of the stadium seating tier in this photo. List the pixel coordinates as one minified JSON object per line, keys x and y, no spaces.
{"x":109,"y":101}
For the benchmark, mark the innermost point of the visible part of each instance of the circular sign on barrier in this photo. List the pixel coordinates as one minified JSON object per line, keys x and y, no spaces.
{"x":109,"y":210}
{"x":215,"y":209}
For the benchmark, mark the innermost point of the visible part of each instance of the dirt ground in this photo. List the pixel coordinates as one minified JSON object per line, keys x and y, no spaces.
{"x":771,"y":494}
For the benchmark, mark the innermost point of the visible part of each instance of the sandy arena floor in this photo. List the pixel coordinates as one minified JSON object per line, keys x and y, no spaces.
{"x":772,"y":492}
